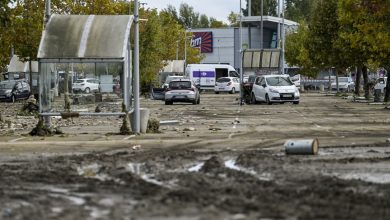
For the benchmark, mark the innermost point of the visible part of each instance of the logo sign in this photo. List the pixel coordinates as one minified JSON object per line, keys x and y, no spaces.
{"x":203,"y":40}
{"x":203,"y":74}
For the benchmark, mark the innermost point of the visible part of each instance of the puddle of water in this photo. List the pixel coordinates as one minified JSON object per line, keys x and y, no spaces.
{"x":381,"y":178}
{"x":231,"y":164}
{"x":196,"y":168}
{"x":97,"y":213}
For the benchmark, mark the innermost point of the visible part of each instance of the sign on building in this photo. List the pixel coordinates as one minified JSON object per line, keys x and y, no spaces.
{"x":202,"y":40}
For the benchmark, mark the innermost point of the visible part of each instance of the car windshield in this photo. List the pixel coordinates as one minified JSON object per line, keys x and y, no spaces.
{"x":180,"y":85}
{"x":279,"y":81}
{"x":223,"y":80}
{"x":6,"y":85}
{"x":79,"y":81}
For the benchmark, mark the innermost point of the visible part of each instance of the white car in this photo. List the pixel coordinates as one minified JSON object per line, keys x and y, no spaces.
{"x":86,"y":85}
{"x":345,"y":84}
{"x":274,"y":89}
{"x":182,"y":90}
{"x":227,"y":84}
{"x":381,"y":84}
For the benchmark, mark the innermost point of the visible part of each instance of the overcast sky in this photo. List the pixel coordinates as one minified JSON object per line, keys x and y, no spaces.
{"x":218,"y":9}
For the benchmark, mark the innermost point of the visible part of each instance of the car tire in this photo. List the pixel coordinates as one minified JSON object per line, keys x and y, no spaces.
{"x":267,"y":100}
{"x":216,"y":92}
{"x":253,"y":99}
{"x":296,"y":102}
{"x":233,"y":91}
{"x":87,"y":90}
{"x":168,"y":102}
{"x":198,"y":101}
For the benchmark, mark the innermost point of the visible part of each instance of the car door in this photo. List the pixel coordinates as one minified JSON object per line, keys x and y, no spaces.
{"x":25,"y":90}
{"x":236,"y":84}
{"x":256,"y":90}
{"x":262,"y":89}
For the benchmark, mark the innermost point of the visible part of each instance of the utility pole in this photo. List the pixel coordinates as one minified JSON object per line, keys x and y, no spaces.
{"x":136,"y":114}
{"x":261,"y":25}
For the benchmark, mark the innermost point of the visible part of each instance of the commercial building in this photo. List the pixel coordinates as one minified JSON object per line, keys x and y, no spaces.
{"x":222,"y":45}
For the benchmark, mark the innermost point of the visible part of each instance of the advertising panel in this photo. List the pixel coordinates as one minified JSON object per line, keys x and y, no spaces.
{"x":202,"y":40}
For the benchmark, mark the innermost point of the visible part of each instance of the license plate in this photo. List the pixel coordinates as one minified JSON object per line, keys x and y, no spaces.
{"x":179,"y":96}
{"x":287,"y":96}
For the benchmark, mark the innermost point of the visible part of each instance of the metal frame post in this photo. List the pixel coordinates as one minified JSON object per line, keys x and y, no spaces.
{"x":136,"y":115}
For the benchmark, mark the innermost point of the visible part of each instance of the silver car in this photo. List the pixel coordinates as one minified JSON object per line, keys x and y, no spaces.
{"x":182,"y":90}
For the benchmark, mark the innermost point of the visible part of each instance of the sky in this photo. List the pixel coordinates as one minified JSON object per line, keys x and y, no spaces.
{"x":219,"y":9}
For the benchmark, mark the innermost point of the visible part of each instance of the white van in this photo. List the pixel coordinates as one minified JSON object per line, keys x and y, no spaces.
{"x":205,"y":75}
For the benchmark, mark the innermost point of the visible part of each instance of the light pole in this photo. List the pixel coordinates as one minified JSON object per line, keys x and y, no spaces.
{"x":137,"y":116}
{"x":218,"y":45}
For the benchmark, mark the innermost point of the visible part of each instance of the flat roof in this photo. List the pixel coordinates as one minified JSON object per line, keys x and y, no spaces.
{"x":85,"y":37}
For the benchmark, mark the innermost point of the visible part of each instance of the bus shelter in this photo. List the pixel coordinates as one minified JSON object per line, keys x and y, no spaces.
{"x":85,"y":65}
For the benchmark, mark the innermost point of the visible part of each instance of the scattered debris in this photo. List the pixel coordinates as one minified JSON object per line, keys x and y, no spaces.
{"x":136,"y":147}
{"x":189,"y":129}
{"x":153,"y":126}
{"x":125,"y":128}
{"x":302,"y":147}
{"x":213,"y":164}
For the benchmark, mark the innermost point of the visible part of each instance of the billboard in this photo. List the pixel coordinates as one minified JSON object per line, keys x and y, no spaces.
{"x":203,"y":40}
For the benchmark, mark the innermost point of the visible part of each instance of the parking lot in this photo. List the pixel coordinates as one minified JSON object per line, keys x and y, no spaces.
{"x":215,"y":160}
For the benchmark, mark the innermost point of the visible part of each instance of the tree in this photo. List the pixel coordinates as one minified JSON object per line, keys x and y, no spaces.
{"x":188,"y":17}
{"x":363,"y":29}
{"x":204,"y":21}
{"x":234,"y":19}
{"x":214,"y":23}
{"x":6,"y":35}
{"x":297,"y":51}
{"x":297,"y":10}
{"x":269,"y":7}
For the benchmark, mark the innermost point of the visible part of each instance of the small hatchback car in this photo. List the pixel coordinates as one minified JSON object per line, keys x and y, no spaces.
{"x":227,"y":84}
{"x":182,"y":90}
{"x":86,"y":85}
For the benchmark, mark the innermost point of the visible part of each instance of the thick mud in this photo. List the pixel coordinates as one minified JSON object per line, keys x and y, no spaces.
{"x":231,"y":166}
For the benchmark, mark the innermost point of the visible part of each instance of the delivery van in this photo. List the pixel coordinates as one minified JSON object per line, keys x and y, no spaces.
{"x":205,"y":75}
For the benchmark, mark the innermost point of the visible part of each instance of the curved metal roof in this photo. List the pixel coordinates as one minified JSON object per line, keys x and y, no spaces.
{"x":85,"y":37}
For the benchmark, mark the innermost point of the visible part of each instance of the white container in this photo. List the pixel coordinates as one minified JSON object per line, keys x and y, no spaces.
{"x":302,"y":147}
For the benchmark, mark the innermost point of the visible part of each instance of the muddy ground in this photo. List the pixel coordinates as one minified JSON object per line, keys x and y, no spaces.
{"x":220,"y":161}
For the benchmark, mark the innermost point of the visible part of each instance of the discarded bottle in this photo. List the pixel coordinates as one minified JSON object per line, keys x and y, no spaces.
{"x":302,"y":147}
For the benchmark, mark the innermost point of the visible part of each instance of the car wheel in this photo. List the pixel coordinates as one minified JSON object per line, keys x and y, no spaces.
{"x":296,"y":103}
{"x":198,"y":101}
{"x":233,"y":90}
{"x":87,"y":90}
{"x":168,"y":102}
{"x":253,"y":99}
{"x":216,"y":92}
{"x":267,"y":100}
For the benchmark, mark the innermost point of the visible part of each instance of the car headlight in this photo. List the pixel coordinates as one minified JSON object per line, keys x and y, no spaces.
{"x":273,"y":90}
{"x":296,"y":92}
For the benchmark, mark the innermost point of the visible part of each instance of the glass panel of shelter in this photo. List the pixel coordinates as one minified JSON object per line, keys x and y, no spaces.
{"x":100,"y":90}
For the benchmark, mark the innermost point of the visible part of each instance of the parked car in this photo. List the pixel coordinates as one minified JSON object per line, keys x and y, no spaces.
{"x":14,"y":90}
{"x":381,"y":84}
{"x":227,"y":84}
{"x":346,"y":84}
{"x":182,"y":90}
{"x":86,"y":85}
{"x":274,"y":89}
